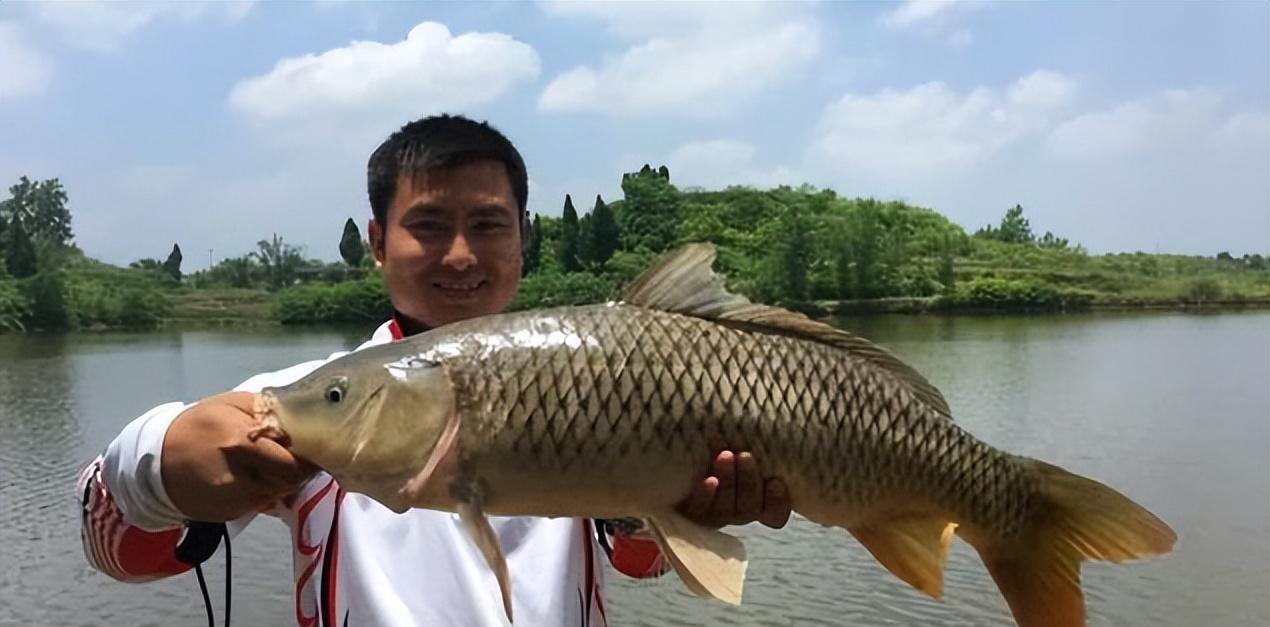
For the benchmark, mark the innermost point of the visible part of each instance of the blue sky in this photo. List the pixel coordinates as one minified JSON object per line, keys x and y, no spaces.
{"x":1123,"y":126}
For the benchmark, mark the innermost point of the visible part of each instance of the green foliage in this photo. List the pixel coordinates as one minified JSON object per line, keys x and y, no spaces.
{"x":554,"y":289}
{"x":605,"y":232}
{"x":533,"y":247}
{"x":239,"y":272}
{"x":1203,"y":290}
{"x":1005,"y":295}
{"x":586,"y":243}
{"x":351,"y":249}
{"x":40,"y":206}
{"x":14,"y":307}
{"x":650,"y":211}
{"x":45,"y":293}
{"x":19,"y":252}
{"x":569,"y":247}
{"x":280,"y":262}
{"x":1014,"y":229}
{"x":364,"y":300}
{"x":172,"y":265}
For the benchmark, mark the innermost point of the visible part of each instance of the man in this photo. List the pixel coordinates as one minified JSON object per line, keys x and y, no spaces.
{"x":448,"y":198}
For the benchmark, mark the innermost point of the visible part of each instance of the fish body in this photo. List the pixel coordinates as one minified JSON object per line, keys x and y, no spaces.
{"x":614,"y":411}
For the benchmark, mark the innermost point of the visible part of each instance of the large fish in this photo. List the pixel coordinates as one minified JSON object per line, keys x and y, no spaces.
{"x":613,"y":410}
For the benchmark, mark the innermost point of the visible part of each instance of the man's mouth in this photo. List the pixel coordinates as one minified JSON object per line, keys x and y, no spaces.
{"x":458,"y":288}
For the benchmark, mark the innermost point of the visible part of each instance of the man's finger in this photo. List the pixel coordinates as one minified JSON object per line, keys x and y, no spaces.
{"x":699,"y":501}
{"x":724,"y":505}
{"x":749,"y":489}
{"x":776,"y":504}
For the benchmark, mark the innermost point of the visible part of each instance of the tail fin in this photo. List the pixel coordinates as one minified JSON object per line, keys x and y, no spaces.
{"x":1077,"y":519}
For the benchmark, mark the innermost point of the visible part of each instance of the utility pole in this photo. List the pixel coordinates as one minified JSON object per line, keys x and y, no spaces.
{"x":209,"y":259}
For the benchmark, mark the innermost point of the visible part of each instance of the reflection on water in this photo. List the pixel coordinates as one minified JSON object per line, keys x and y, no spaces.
{"x":1173,"y":410}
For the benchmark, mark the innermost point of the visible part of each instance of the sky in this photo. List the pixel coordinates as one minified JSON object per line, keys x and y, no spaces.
{"x":1122,"y":126}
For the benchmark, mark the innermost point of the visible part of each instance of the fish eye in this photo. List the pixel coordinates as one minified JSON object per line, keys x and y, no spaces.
{"x":335,"y":393}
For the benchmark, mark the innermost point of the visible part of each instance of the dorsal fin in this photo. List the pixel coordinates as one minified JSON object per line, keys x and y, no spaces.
{"x":683,"y":282}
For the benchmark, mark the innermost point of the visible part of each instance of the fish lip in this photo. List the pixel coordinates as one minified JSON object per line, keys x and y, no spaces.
{"x":264,"y":410}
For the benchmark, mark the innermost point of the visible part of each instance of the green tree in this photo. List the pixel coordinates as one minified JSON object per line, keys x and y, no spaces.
{"x":568,"y":251}
{"x":795,"y":254}
{"x":19,"y":251}
{"x":280,"y":261}
{"x":605,"y":233}
{"x":1014,"y":227}
{"x":172,"y":265}
{"x":533,"y":247}
{"x":947,"y":255}
{"x":586,"y":242}
{"x":650,"y":211}
{"x":41,"y":208}
{"x":351,"y":248}
{"x":148,"y":264}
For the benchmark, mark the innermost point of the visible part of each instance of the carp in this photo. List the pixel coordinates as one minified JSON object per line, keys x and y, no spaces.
{"x":613,"y":411}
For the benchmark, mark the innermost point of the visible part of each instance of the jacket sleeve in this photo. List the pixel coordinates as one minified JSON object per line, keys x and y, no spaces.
{"x":129,"y":527}
{"x":631,"y":551}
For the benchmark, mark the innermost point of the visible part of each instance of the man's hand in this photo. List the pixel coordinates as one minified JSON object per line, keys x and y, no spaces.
{"x":214,"y":472}
{"x":734,"y":493}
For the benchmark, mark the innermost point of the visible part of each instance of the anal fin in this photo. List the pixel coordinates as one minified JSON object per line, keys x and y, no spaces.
{"x":711,"y":563}
{"x":482,"y":534}
{"x":913,"y":548}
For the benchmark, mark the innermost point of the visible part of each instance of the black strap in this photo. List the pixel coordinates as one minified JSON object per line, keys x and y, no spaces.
{"x":198,"y":545}
{"x":200,"y":542}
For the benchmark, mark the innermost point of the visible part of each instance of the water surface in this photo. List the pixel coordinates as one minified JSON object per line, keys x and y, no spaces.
{"x":1173,"y":410}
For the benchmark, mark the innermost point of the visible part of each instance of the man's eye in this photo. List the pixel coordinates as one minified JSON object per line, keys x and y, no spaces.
{"x":430,"y":226}
{"x":488,"y":225}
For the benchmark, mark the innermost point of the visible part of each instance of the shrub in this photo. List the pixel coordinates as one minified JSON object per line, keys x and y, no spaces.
{"x":552,"y":290}
{"x":350,"y":301}
{"x":1005,"y":294}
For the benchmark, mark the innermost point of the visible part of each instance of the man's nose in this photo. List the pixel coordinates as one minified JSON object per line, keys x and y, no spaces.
{"x":459,"y":255}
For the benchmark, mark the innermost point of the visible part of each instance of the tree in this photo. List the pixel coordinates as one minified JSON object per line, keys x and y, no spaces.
{"x":568,"y":252}
{"x":172,"y":265}
{"x":605,"y":234}
{"x":650,"y":211}
{"x":533,"y":247}
{"x":41,"y":208}
{"x":279,"y":260}
{"x":148,"y":264}
{"x":1014,"y":227}
{"x":351,"y":248}
{"x":586,"y":242}
{"x":947,"y":254}
{"x":19,"y":251}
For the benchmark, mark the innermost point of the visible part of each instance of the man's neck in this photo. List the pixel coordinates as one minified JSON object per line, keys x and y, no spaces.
{"x":407,"y":325}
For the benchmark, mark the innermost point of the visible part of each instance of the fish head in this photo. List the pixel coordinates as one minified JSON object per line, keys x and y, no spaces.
{"x":362,"y":417}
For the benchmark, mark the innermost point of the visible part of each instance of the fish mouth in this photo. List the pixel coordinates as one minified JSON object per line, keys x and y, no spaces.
{"x":264,"y":410}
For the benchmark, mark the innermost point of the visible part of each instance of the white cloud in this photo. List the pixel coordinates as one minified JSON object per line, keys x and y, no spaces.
{"x":1182,"y":169}
{"x":715,"y":164}
{"x":932,"y":129}
{"x":23,"y":70}
{"x":695,"y":59}
{"x":917,"y":12}
{"x":1171,"y":118}
{"x":101,"y":26}
{"x":933,"y":19}
{"x":373,"y":84}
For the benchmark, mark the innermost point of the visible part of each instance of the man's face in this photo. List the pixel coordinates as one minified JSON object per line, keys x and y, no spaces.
{"x":449,"y":247}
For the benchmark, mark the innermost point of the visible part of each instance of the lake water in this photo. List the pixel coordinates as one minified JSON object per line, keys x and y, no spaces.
{"x":1173,"y":410}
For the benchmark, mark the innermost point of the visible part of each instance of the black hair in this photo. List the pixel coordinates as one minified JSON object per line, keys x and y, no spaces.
{"x":441,"y":141}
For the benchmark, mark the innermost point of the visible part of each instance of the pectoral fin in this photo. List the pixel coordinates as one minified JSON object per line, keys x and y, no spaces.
{"x":711,"y":563}
{"x":913,"y":548}
{"x":482,"y":534}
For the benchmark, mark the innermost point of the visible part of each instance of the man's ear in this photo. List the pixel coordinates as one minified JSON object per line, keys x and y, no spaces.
{"x":376,"y":235}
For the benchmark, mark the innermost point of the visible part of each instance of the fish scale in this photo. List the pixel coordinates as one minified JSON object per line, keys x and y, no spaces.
{"x":659,"y":393}
{"x":616,"y":410}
